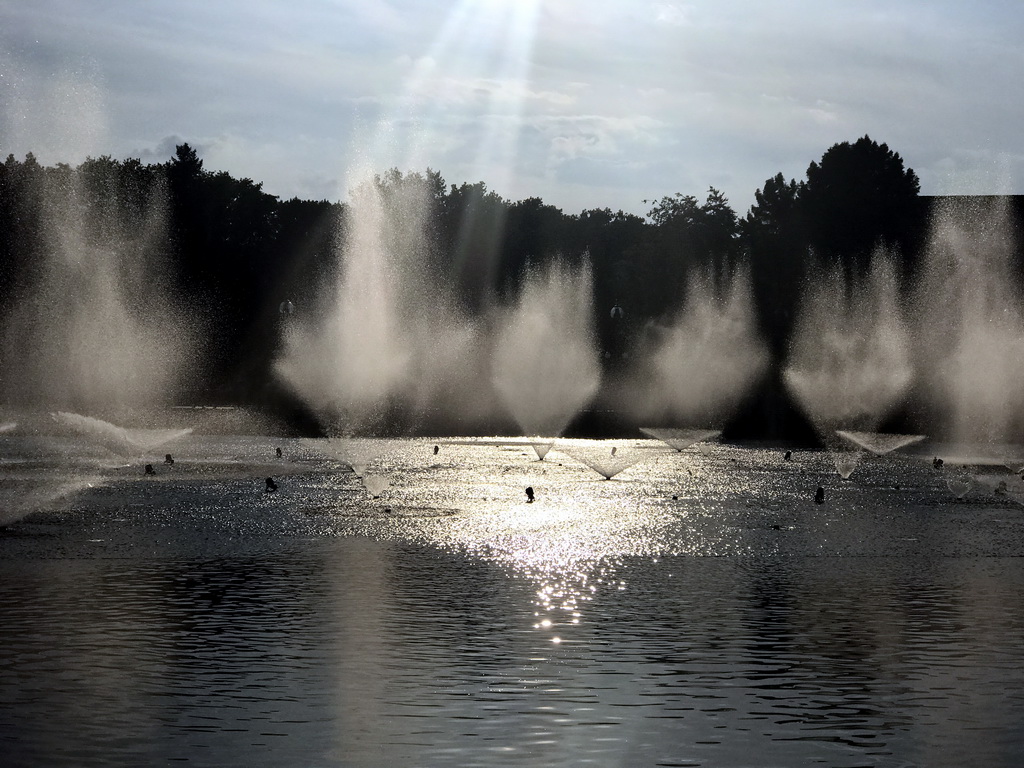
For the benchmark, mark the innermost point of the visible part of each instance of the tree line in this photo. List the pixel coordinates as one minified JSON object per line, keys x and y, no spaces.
{"x":232,"y":253}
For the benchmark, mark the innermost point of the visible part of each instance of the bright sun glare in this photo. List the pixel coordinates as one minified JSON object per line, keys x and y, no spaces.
{"x":467,"y":88}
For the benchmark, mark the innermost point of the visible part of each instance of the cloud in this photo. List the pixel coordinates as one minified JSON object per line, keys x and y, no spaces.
{"x":595,"y":135}
{"x":673,"y":14}
{"x":679,"y":94}
{"x":164,"y":150}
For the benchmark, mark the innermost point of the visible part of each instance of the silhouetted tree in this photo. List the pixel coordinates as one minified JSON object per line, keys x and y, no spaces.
{"x":190,"y":226}
{"x":775,"y":241}
{"x":472,"y":223}
{"x":858,"y":197}
{"x":23,"y":236}
{"x":686,"y":236}
{"x":534,"y":233}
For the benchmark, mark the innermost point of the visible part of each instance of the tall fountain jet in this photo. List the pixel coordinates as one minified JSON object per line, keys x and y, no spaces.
{"x":389,"y":351}
{"x":970,"y":334}
{"x":697,"y":370}
{"x":545,"y":358}
{"x":850,"y":363}
{"x":97,"y":329}
{"x":347,"y":364}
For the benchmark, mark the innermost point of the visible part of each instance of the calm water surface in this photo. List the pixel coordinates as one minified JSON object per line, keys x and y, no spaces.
{"x":190,"y":618}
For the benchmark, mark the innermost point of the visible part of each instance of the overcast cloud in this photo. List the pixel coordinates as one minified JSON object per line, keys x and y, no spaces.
{"x":583,"y":103}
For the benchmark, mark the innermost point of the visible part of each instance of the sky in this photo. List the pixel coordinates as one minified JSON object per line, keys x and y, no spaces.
{"x":582,"y":103}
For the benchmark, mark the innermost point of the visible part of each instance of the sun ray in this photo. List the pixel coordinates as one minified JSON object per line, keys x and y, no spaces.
{"x":469,"y":87}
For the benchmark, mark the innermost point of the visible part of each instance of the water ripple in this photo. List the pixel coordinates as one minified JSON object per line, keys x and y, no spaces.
{"x":693,"y":610}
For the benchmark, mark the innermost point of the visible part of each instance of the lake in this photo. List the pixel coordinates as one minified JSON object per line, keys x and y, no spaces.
{"x":698,"y":609}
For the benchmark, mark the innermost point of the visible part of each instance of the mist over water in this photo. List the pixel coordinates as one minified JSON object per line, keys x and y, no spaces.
{"x":697,"y":370}
{"x":946,"y":351}
{"x":971,"y":326}
{"x":545,"y":360}
{"x":97,"y":327}
{"x":388,"y":350}
{"x":391,"y":348}
{"x":850,"y":356}
{"x":349,"y":362}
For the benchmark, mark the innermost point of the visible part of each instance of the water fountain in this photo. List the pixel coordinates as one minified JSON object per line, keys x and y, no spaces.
{"x":680,"y":439}
{"x":545,"y":362}
{"x":846,"y":462}
{"x":960,"y":486}
{"x":697,"y":370}
{"x":849,"y":364}
{"x":542,"y":448}
{"x":128,"y":443}
{"x":957,"y":370}
{"x":22,"y":494}
{"x":347,"y":364}
{"x":606,"y":460}
{"x":375,"y":485}
{"x":878,"y":443}
{"x":355,"y":453}
{"x":94,"y":328}
{"x":971,"y":329}
{"x":388,"y":351}
{"x":97,"y":330}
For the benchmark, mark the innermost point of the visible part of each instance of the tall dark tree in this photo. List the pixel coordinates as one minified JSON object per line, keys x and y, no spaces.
{"x":776,"y":244}
{"x":473,"y":220}
{"x":190,"y":224}
{"x":534,"y":233}
{"x":775,"y":213}
{"x":858,"y":197}
{"x":23,"y":237}
{"x":609,"y":238}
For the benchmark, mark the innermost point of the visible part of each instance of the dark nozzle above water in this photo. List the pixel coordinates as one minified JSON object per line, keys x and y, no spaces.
{"x":150,"y":470}
{"x":937,"y":462}
{"x":436,"y":449}
{"x":788,"y":456}
{"x":819,"y":495}
{"x":271,"y":485}
{"x":529,"y":494}
{"x":168,"y":459}
{"x":278,"y":449}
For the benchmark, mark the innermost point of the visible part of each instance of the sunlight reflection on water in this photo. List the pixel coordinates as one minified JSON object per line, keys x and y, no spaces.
{"x":695,"y":609}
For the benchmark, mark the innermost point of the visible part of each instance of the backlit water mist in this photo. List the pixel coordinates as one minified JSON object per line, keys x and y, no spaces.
{"x":946,"y":349}
{"x":545,"y":359}
{"x":96,"y":328}
{"x":391,"y":341}
{"x":970,"y":331}
{"x":698,"y":369}
{"x":849,"y":363}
